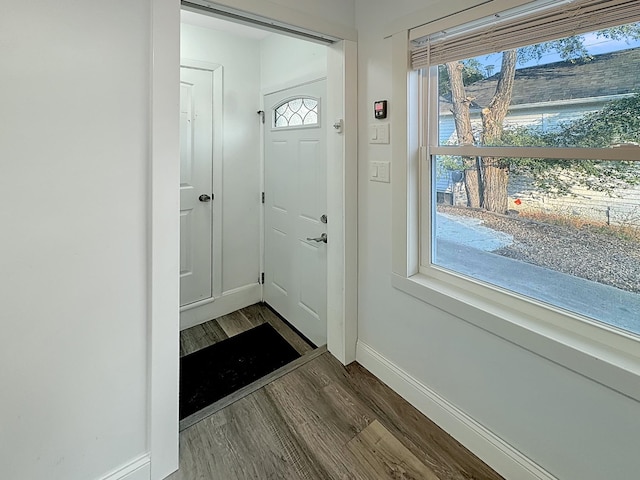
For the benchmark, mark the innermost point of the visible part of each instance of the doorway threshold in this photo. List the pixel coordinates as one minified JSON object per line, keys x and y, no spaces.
{"x":249,"y":389}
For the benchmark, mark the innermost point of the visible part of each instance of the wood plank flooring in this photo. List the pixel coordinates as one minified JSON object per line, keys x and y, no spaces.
{"x":213,"y":331}
{"x":324,"y":421}
{"x":379,"y":451}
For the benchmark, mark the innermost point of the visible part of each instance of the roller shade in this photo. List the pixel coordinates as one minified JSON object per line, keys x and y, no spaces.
{"x":512,"y":30}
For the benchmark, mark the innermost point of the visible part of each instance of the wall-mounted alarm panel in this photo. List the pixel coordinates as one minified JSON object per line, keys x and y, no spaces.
{"x":380,"y":109}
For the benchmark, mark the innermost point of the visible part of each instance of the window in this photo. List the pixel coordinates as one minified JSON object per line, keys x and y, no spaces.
{"x":296,"y":112}
{"x":531,"y":173}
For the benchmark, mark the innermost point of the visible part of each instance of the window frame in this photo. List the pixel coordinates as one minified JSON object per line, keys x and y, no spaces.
{"x":603,"y":353}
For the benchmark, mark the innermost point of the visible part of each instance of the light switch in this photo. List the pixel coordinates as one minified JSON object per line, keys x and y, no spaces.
{"x":373,"y":133}
{"x":379,"y":133}
{"x":383,"y":133}
{"x":379,"y":172}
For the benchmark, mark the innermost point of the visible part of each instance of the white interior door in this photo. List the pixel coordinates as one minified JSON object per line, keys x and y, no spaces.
{"x":196,"y":196}
{"x":295,"y":202}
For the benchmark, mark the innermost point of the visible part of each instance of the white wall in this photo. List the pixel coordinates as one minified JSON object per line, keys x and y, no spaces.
{"x":573,"y":427}
{"x":73,"y":257}
{"x":329,"y":17}
{"x":74,"y":116}
{"x":286,"y":61}
{"x":240,"y":60}
{"x":340,"y":12}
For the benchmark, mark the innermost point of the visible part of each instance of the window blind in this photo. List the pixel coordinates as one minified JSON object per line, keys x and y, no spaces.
{"x":504,"y":33}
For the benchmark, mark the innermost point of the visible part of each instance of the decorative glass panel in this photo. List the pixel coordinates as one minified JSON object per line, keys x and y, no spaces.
{"x":297,"y":112}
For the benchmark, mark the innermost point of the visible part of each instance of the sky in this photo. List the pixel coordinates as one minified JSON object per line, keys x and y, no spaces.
{"x":595,"y":45}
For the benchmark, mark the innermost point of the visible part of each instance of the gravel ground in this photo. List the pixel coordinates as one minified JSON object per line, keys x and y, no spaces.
{"x":594,"y":256}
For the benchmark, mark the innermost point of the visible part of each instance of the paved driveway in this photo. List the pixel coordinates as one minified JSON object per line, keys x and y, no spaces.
{"x":465,"y":247}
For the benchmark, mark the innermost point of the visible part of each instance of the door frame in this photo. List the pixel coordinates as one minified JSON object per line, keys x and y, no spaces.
{"x":216,"y":179}
{"x":163,"y":207}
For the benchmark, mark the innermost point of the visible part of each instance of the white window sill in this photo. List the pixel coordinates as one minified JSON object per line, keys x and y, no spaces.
{"x":606,"y":356}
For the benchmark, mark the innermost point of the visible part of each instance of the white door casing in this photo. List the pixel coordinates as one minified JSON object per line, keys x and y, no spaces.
{"x":196,"y":184}
{"x":295,"y":200}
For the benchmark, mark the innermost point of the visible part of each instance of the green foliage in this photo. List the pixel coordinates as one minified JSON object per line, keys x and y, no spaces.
{"x":559,"y":176}
{"x":570,"y":48}
{"x":573,"y":49}
{"x":617,"y":122}
{"x":448,"y":163}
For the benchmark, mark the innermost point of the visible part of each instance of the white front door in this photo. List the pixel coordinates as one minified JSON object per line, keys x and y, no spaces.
{"x":196,"y":150}
{"x":295,"y":203}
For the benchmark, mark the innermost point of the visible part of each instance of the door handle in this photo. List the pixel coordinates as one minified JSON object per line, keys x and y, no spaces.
{"x":204,"y":198}
{"x":322,"y":238}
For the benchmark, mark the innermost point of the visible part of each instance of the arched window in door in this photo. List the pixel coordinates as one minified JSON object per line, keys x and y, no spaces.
{"x":296,"y":112}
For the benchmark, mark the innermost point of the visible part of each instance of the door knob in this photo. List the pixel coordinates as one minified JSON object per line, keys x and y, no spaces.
{"x":204,"y":198}
{"x":322,"y":238}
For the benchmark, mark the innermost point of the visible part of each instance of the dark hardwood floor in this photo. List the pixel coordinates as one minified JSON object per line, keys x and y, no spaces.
{"x":322,"y":421}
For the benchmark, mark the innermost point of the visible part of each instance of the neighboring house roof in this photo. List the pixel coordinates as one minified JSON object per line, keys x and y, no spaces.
{"x":564,"y":80}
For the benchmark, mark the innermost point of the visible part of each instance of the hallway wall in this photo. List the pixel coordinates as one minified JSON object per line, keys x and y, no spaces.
{"x":575,"y":428}
{"x":304,"y":61}
{"x":74,"y":189}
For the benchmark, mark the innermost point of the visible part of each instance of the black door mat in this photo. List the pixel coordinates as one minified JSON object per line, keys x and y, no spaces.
{"x":216,"y":371}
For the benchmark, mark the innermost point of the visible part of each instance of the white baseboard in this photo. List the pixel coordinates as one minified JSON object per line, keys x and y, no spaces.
{"x":495,"y":452}
{"x":229,"y":302}
{"x":137,"y":469}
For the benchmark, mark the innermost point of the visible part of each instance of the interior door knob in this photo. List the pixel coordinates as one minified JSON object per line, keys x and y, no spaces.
{"x":322,"y":238}
{"x":204,"y":198}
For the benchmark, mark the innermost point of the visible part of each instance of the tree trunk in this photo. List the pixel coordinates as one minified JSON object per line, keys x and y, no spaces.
{"x":496,"y":181}
{"x":472,"y":182}
{"x":495,"y":172}
{"x":460,"y":109}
